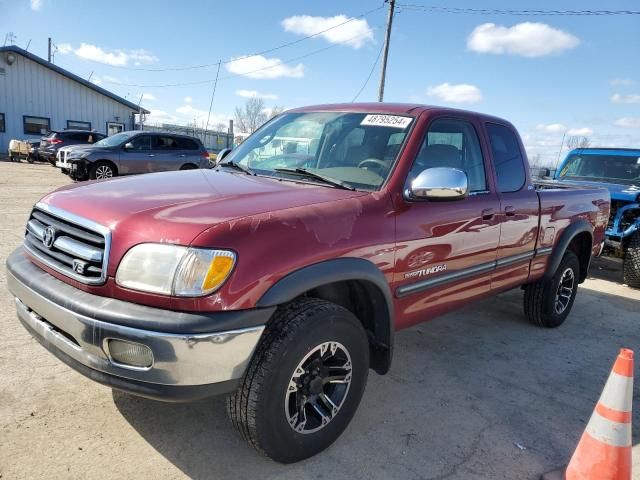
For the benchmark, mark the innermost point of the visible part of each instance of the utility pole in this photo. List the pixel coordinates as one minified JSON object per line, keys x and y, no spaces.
{"x":49,"y":51}
{"x":385,"y":54}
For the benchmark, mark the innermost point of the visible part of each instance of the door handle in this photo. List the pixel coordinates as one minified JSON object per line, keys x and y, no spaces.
{"x":488,"y":213}
{"x":182,"y":155}
{"x":509,"y":211}
{"x":150,"y":155}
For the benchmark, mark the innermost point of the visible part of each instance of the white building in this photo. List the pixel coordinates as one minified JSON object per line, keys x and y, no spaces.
{"x":37,"y":96}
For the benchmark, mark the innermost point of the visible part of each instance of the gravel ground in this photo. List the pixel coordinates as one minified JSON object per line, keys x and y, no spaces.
{"x":476,"y":394}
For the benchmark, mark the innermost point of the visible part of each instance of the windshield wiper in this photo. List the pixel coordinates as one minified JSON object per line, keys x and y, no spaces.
{"x":237,"y":166}
{"x":303,"y":172}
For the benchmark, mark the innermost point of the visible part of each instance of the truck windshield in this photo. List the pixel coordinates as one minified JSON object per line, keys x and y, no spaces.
{"x":354,"y":149}
{"x":605,"y":168}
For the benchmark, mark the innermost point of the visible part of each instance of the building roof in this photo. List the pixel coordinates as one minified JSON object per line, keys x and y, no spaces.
{"x":71,"y":76}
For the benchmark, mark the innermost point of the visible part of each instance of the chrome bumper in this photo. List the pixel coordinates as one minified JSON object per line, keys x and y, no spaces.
{"x":179,"y":359}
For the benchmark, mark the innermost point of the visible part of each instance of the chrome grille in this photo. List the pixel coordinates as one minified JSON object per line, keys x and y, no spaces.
{"x":71,"y":245}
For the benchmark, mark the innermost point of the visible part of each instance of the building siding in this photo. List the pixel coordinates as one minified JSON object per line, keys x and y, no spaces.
{"x":28,"y":88}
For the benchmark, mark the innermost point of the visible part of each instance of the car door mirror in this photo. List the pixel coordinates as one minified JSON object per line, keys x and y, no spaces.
{"x":222,"y":153}
{"x":440,"y":183}
{"x":128,"y":146}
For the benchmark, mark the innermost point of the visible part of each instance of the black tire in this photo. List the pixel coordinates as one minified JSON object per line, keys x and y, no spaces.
{"x":258,"y":408}
{"x":100,"y":170}
{"x":631,"y":265}
{"x":540,"y":298}
{"x":188,"y":166}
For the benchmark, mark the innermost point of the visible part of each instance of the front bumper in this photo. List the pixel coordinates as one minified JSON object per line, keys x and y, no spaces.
{"x":194,"y":355}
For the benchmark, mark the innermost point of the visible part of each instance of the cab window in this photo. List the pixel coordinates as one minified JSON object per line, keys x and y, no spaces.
{"x":507,"y":158}
{"x":455,"y":144}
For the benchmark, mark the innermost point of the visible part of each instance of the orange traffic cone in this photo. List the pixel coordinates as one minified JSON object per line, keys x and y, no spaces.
{"x":604,"y":451}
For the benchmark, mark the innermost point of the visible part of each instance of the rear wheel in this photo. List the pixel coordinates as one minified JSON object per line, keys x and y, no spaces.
{"x":631,"y":266}
{"x":547,"y":303}
{"x":102,"y":171}
{"x":305,"y":381}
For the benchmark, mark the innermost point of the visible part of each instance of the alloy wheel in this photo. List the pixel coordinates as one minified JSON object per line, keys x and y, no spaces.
{"x":565,"y":291}
{"x":103,"y":171}
{"x":318,"y":387}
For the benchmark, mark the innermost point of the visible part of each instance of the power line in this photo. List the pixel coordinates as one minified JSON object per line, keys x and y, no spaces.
{"x":491,"y":11}
{"x":263,"y":52}
{"x":200,"y":82}
{"x":373,"y":67}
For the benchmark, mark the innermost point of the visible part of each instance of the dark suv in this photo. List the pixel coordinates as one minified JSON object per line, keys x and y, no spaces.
{"x":133,"y":152}
{"x":50,"y":144}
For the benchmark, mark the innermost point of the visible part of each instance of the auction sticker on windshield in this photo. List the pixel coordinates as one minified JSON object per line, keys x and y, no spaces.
{"x":387,"y":121}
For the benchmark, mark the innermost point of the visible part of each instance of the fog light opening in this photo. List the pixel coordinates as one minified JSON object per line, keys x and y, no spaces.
{"x":129,"y":354}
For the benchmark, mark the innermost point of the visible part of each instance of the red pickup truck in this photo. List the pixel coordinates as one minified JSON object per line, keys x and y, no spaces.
{"x":280,"y":276}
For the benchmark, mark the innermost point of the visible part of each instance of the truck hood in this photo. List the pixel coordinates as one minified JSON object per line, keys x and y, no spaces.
{"x":174,"y":207}
{"x":618,"y":191}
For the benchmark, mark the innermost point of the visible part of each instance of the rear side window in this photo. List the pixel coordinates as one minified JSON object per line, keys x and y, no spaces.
{"x":187,"y":144}
{"x":507,"y":158}
{"x":166,"y":143}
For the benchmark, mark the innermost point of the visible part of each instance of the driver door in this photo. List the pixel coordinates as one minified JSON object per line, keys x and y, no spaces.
{"x":138,"y":158}
{"x":446,"y":249}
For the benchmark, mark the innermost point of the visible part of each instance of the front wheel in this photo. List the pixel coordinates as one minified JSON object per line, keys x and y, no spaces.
{"x":102,"y":171}
{"x":547,"y":303}
{"x":631,"y":266}
{"x":305,"y":381}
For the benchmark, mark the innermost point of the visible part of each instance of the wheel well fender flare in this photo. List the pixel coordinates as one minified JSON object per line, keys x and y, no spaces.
{"x":561,"y":246}
{"x":337,"y":270}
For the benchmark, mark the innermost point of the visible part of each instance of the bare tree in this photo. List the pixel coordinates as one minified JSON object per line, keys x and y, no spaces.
{"x":251,"y":116}
{"x":578,"y":142}
{"x":275,"y":111}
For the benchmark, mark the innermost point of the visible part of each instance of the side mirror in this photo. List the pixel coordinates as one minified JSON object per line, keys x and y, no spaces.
{"x":545,"y":173}
{"x":222,"y":153}
{"x":440,"y":183}
{"x":128,"y":146}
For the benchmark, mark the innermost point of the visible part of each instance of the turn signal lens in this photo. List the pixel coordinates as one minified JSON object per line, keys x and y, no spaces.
{"x":202,"y":271}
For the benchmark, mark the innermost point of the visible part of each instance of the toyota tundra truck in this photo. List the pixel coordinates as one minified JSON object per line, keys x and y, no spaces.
{"x":280,"y":276}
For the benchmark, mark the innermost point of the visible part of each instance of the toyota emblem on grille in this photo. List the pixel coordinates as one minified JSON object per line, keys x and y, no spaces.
{"x":49,"y":237}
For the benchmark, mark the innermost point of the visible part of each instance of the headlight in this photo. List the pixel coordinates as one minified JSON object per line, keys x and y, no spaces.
{"x":174,"y":270}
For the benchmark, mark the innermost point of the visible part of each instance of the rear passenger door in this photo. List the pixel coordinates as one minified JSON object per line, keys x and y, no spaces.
{"x":519,"y":208}
{"x":190,"y":152}
{"x":167,"y":153}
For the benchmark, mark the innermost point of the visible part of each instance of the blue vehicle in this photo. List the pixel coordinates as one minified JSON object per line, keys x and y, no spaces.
{"x":618,"y":170}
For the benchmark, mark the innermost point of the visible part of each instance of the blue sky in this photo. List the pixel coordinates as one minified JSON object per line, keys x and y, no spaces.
{"x":550,"y":75}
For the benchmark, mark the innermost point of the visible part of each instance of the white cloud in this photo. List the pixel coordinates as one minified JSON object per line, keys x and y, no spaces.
{"x":628,"y":122}
{"x":116,"y":58}
{"x":150,"y":97}
{"x":355,"y":33}
{"x":580,"y":132}
{"x":258,"y":66}
{"x":551,"y":128}
{"x":256,"y":94}
{"x":188,"y":99}
{"x":631,"y":98}
{"x":36,"y":5}
{"x":188,"y":113}
{"x":160,"y":116}
{"x":460,"y":93}
{"x":64,"y":47}
{"x":618,"y":82}
{"x":526,"y":39}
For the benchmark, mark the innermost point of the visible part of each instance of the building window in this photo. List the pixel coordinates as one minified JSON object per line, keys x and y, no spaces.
{"x":2,"y":126}
{"x":36,"y":125}
{"x":114,"y":127}
{"x":77,"y":125}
